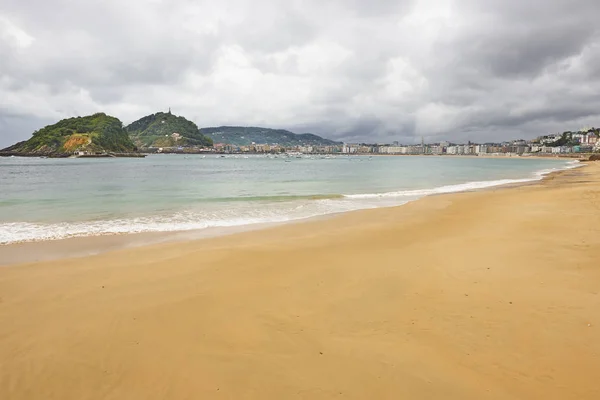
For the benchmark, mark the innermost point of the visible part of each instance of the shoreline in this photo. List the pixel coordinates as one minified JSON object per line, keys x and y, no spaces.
{"x":88,"y":245}
{"x":488,"y":294}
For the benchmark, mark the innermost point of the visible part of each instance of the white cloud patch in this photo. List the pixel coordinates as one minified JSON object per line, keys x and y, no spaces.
{"x":351,"y":70}
{"x":14,"y":36}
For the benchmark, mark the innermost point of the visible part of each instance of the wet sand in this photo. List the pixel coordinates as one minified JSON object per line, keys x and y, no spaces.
{"x":481,"y":295}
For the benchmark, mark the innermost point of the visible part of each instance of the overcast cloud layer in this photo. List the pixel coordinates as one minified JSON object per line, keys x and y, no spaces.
{"x":346,"y":69}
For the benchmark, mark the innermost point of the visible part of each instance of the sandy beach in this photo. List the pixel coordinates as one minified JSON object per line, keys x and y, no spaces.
{"x":481,"y":295}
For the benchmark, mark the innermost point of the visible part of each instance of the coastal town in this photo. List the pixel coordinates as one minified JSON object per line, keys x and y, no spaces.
{"x":583,"y":141}
{"x":104,"y":136}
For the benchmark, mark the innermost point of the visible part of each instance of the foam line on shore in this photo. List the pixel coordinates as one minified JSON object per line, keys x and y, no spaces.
{"x":19,"y":232}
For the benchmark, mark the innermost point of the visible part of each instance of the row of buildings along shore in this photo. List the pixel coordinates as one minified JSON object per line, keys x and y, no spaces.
{"x":583,"y":141}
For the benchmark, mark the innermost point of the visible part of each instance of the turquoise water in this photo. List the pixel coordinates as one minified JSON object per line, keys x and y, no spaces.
{"x":43,"y":199}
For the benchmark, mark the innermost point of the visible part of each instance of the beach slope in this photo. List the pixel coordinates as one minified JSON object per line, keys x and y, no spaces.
{"x":483,"y":295}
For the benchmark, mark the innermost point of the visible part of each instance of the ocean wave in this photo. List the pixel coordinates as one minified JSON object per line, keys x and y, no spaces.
{"x":272,"y":209}
{"x":17,"y":232}
{"x":27,"y":232}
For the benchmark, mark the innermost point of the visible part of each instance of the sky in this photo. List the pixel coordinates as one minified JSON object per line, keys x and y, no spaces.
{"x":351,"y":70}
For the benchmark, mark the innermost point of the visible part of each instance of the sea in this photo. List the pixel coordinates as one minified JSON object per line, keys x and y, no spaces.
{"x":47,"y":199}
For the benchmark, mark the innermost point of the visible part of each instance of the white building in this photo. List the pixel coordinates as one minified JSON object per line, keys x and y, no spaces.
{"x":547,"y":150}
{"x":415,"y":150}
{"x":561,"y":150}
{"x":481,"y":149}
{"x":349,"y":148}
{"x":437,"y":150}
{"x":549,"y":139}
{"x":589,"y":138}
{"x":578,"y":136}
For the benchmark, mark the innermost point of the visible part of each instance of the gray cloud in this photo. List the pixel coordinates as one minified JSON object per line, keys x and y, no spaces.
{"x":349,"y":70}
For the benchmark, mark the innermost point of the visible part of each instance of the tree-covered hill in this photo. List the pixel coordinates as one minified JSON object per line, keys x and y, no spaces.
{"x":166,"y":130}
{"x":96,"y":133}
{"x":244,"y":136}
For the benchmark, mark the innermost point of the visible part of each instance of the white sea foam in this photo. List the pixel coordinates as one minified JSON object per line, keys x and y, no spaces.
{"x":248,"y":215}
{"x":181,"y":221}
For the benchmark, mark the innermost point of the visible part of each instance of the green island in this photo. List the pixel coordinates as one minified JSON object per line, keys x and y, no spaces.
{"x":166,"y":130}
{"x":94,"y":135}
{"x":101,"y":135}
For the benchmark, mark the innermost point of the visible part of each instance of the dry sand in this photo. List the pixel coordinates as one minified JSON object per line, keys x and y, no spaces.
{"x":484,"y":295}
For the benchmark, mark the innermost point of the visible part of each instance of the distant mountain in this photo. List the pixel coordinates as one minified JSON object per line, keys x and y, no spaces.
{"x":166,"y":130}
{"x":96,"y":133}
{"x":244,"y":136}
